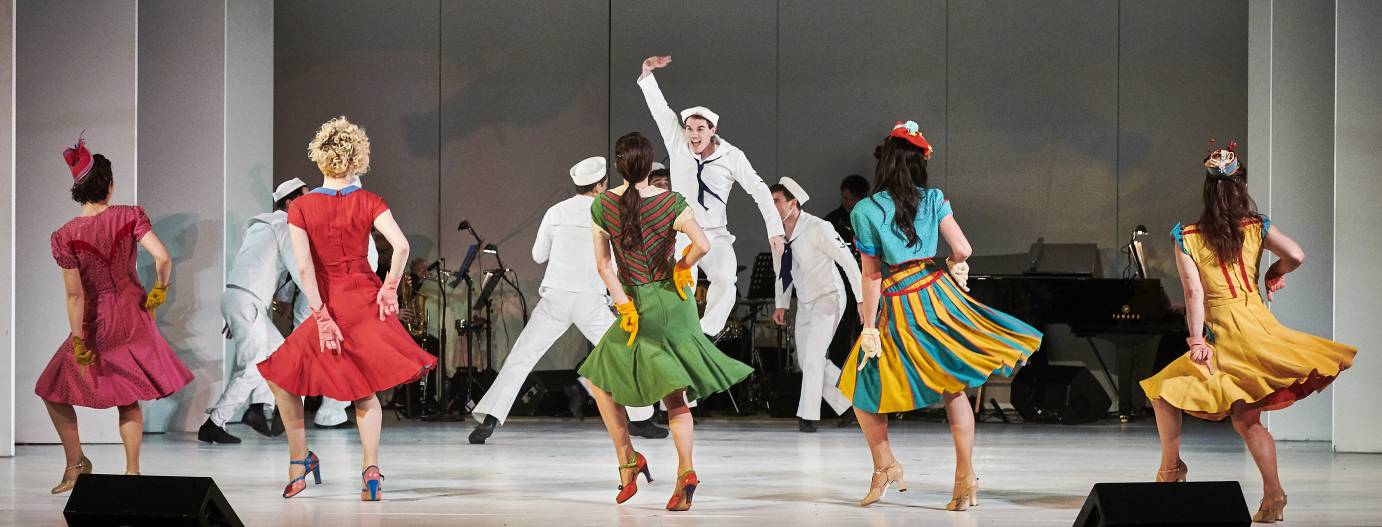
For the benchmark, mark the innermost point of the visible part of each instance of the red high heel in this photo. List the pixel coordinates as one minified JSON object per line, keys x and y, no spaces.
{"x":686,"y":487}
{"x":311,"y":465}
{"x":639,"y":464}
{"x":373,"y":489}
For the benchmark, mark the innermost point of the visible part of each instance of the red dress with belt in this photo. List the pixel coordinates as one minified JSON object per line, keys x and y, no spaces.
{"x":375,"y":354}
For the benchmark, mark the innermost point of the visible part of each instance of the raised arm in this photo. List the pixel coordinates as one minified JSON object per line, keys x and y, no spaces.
{"x":668,"y":124}
{"x":748,"y":178}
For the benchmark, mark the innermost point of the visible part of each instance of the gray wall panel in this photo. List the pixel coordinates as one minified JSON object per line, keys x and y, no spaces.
{"x":7,"y":227}
{"x":67,"y":78}
{"x":182,"y":166}
{"x":1182,"y":69}
{"x":1032,"y":127}
{"x":841,"y":87}
{"x":518,"y":109}
{"x":1302,"y":183}
{"x":1358,"y":247}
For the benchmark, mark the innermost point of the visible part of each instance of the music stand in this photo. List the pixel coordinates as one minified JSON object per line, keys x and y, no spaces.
{"x":762,"y":281}
{"x":443,"y":413}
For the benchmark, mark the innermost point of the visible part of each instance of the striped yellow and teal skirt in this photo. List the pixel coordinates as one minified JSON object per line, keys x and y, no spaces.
{"x":936,"y":340}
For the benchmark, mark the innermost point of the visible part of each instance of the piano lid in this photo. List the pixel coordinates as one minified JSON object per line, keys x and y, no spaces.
{"x":1043,"y":259}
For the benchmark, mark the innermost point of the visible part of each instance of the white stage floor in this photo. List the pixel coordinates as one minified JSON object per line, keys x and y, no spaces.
{"x":756,"y":472}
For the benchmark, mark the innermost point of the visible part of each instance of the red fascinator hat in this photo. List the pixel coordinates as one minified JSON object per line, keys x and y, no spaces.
{"x":78,"y":159}
{"x":911,"y":132}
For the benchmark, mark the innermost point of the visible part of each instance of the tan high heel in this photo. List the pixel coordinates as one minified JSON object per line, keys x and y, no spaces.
{"x":965,"y":495}
{"x":83,"y":466}
{"x":881,"y":479}
{"x":1173,"y":475}
{"x":1271,"y":510}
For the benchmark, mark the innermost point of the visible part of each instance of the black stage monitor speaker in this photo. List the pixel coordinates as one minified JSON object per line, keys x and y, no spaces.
{"x":108,"y":500}
{"x":1202,"y":503}
{"x":1058,"y":394}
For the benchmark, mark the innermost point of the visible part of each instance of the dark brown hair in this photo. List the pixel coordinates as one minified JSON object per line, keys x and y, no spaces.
{"x":783,"y":189}
{"x":95,"y":187}
{"x":901,"y":171}
{"x":1226,"y":205}
{"x":633,"y":156}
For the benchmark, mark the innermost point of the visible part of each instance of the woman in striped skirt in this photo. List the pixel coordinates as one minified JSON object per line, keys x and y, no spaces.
{"x":931,"y":341}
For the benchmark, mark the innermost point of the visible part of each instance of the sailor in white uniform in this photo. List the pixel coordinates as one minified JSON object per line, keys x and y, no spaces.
{"x":572,"y":294}
{"x":808,"y":268}
{"x":262,"y":265}
{"x":704,"y":170}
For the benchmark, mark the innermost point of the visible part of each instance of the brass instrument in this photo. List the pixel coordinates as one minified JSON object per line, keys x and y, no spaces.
{"x":416,"y":300}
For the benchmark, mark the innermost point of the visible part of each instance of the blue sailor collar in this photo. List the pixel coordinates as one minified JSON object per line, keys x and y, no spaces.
{"x":336,"y":192}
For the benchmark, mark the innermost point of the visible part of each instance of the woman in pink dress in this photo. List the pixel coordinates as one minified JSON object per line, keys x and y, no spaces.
{"x":355,"y":345}
{"x":115,"y":355}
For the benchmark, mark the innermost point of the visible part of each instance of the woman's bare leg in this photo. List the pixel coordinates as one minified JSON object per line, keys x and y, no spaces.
{"x":65,"y":422}
{"x":369,"y":416}
{"x":617,"y":424}
{"x":961,"y":416}
{"x":1168,"y":429}
{"x":290,"y":409}
{"x":1262,"y":445}
{"x":875,"y":427}
{"x":682,"y":425}
{"x":132,"y":435}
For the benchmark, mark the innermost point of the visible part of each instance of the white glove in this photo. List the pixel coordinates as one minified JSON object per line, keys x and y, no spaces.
{"x":959,"y":271}
{"x":870,"y":344}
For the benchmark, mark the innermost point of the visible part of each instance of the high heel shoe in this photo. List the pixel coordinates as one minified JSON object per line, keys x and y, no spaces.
{"x":965,"y":495}
{"x":310,"y":465}
{"x":83,"y":466}
{"x":373,"y":488}
{"x":686,"y":488}
{"x":881,"y":479}
{"x":1271,"y":510}
{"x":1173,"y":475}
{"x":639,"y":465}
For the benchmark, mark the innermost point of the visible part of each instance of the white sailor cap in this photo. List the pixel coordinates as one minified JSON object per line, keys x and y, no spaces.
{"x":702,"y":112}
{"x":588,"y":171}
{"x":795,"y":189}
{"x":287,"y":187}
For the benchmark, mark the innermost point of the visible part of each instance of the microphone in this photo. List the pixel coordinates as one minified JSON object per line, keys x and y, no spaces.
{"x":434,"y":266}
{"x":465,"y":224}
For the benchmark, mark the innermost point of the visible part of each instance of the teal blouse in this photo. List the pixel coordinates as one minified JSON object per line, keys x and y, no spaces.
{"x":875,"y":234}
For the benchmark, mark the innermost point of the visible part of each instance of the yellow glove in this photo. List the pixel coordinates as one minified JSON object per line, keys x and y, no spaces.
{"x":681,"y":274}
{"x":84,"y":355}
{"x":628,"y":319}
{"x":157,"y":296}
{"x":870,"y":345}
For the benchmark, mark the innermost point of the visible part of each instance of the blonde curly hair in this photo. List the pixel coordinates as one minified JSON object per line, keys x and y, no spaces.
{"x":340,"y":149}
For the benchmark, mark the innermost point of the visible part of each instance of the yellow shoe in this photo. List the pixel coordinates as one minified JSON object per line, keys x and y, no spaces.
{"x":1173,"y":475}
{"x":1271,"y":510}
{"x":83,"y":466}
{"x":965,"y":495}
{"x":881,"y":479}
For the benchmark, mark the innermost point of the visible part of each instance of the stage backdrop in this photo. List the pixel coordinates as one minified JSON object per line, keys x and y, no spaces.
{"x":1074,"y":122}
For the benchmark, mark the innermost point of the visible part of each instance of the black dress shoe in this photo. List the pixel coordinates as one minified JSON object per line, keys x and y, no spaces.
{"x":847,"y":420}
{"x":806,"y":426}
{"x":483,"y":430}
{"x":210,"y":433}
{"x":254,"y":418}
{"x":647,"y":429}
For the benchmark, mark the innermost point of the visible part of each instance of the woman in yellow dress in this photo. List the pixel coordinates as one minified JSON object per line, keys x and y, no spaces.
{"x":1241,"y":361}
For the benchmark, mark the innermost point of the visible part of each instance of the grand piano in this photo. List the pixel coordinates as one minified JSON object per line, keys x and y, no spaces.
{"x":1057,"y":284}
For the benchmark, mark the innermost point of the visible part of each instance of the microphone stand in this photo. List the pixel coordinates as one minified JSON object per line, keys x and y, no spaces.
{"x":443,"y":413}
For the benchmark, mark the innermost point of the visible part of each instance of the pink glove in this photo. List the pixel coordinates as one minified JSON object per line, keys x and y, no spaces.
{"x":328,"y":333}
{"x":387,"y":298}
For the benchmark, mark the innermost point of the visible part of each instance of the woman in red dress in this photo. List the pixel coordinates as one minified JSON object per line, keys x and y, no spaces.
{"x":114,"y":355}
{"x":355,"y":345}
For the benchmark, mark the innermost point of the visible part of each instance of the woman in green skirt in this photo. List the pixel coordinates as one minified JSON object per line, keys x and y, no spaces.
{"x":656,"y":351}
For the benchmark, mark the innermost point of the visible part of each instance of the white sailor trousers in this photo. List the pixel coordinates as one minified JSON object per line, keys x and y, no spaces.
{"x":816,"y":322}
{"x":254,"y":337}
